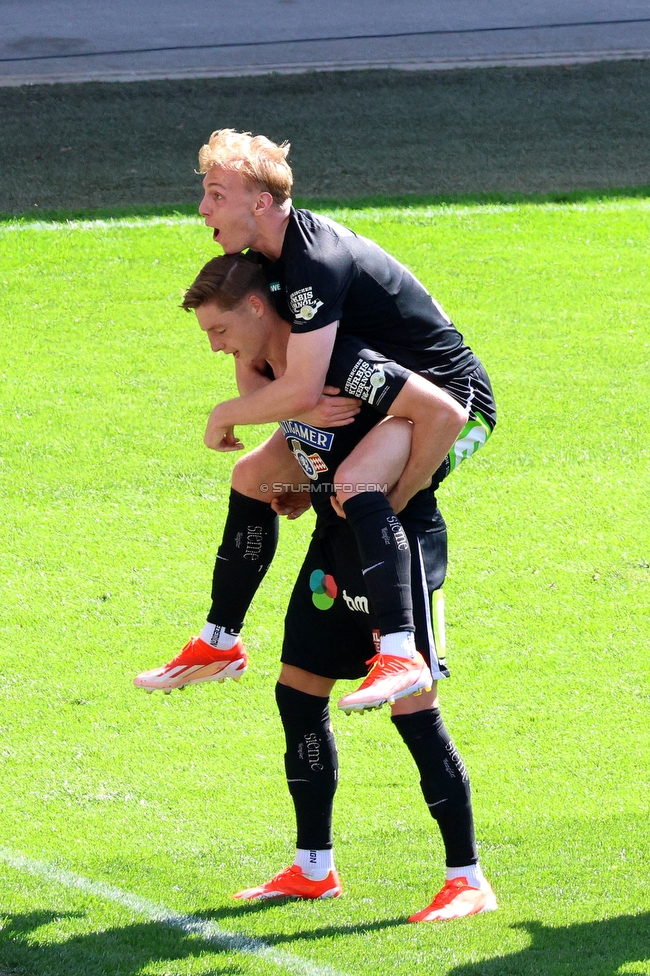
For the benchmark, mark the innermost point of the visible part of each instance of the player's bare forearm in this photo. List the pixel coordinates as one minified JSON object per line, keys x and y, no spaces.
{"x":299,"y":389}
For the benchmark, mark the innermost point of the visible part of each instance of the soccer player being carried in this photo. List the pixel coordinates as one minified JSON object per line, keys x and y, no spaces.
{"x":328,"y":281}
{"x":331,"y":626}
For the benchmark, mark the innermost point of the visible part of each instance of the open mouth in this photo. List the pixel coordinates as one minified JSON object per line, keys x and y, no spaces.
{"x":215,"y":234}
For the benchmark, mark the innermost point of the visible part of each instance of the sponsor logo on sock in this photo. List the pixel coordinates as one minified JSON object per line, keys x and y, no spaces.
{"x":356,"y":602}
{"x":398,"y":532}
{"x":313,"y":751}
{"x":216,"y":634}
{"x":254,"y":539}
{"x":312,"y":858}
{"x":457,"y":761}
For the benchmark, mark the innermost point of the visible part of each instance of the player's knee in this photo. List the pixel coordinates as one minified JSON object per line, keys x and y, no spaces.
{"x":248,"y":478}
{"x":443,"y":776}
{"x":311,"y":759}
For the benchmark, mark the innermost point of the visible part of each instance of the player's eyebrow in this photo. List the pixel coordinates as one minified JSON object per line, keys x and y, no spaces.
{"x":214,"y":184}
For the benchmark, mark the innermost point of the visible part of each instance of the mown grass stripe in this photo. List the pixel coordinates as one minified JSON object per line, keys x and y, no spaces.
{"x":189,"y":924}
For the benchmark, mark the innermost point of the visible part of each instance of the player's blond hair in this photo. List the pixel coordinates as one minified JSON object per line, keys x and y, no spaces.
{"x":262,"y":163}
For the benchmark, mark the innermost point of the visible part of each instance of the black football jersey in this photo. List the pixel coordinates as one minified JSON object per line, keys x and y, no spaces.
{"x":327,"y":273}
{"x":365,"y":374}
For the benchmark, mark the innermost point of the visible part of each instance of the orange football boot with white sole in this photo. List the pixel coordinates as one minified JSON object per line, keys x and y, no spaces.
{"x":458,"y":899}
{"x":292,"y":883}
{"x":389,"y":678}
{"x":197,"y":662}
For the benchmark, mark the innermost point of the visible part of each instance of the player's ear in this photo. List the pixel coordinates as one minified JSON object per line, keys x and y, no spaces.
{"x":256,"y":305}
{"x":263,"y":203}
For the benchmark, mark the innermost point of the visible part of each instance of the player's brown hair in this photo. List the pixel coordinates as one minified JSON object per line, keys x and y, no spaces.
{"x":226,"y":280}
{"x":262,"y":163}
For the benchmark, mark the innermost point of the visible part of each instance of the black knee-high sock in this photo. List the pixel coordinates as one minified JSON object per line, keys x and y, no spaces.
{"x":311,"y":764}
{"x":444,"y":781}
{"x":385,"y":559}
{"x":250,"y":538}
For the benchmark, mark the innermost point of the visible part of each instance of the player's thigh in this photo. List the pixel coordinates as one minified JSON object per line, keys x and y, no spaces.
{"x":272,"y":463}
{"x":377,"y":460}
{"x":305,"y":681}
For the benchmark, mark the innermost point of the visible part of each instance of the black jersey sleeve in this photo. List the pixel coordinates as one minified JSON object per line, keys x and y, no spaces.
{"x":365,"y":374}
{"x":318,"y":270}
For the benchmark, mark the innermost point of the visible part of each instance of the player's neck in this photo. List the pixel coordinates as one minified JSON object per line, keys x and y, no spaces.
{"x":272,"y":226}
{"x":276,"y":348}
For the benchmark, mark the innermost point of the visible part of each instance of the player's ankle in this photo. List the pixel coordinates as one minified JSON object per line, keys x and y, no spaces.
{"x":219,"y":637}
{"x":314,"y":864}
{"x":400,"y":644}
{"x":471,"y":872}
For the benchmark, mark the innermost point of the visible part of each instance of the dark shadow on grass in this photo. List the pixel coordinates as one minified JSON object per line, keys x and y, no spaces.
{"x":324,"y":932}
{"x":126,"y":950}
{"x":327,"y":203}
{"x":599,"y":948}
{"x":122,"y":951}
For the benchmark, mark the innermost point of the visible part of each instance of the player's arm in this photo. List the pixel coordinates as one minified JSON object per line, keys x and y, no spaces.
{"x":298,"y":390}
{"x":435,"y":418}
{"x":249,"y":377}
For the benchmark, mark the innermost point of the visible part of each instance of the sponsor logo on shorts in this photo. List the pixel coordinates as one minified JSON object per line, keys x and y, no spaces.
{"x":311,"y":464}
{"x":323,"y":589}
{"x":365,"y":380}
{"x":356,"y":602}
{"x":303,"y":304}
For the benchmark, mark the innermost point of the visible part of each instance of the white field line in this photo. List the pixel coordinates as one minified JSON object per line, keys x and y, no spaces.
{"x":189,"y":924}
{"x":109,"y":223}
{"x":404,"y":213}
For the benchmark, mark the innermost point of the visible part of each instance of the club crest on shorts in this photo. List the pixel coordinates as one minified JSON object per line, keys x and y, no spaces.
{"x":311,"y":464}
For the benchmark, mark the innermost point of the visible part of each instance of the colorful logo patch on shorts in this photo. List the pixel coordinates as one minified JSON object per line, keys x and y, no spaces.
{"x":323,"y":589}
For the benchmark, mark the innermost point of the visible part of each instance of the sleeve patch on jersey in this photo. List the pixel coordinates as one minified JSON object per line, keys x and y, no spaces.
{"x":303,"y":304}
{"x":364,"y":380}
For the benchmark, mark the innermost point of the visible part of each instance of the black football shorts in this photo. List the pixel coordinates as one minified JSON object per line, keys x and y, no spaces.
{"x":330,"y":629}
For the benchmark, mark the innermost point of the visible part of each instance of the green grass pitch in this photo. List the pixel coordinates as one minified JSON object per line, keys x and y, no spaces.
{"x":127,"y":805}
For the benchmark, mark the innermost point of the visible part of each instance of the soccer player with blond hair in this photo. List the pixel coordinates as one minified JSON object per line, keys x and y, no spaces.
{"x":331,"y":626}
{"x":326,"y":280}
